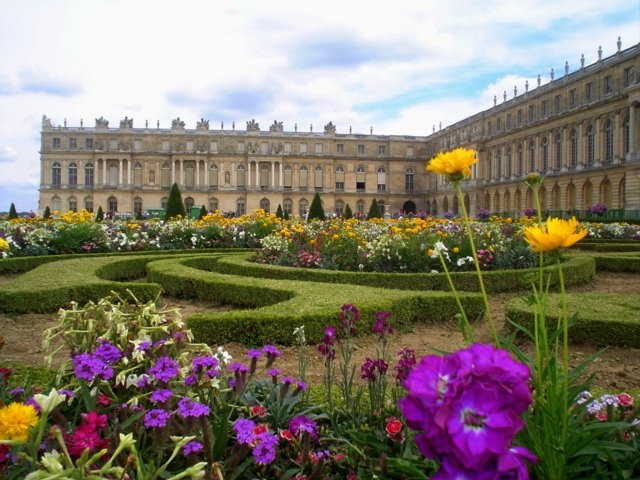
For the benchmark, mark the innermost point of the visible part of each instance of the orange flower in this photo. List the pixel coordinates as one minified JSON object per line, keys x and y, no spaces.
{"x":456,"y":164}
{"x":555,"y":234}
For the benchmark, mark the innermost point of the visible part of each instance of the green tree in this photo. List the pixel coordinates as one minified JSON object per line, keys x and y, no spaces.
{"x":47,"y":213}
{"x":316,"y":210}
{"x":99,"y":215}
{"x":12,"y":212}
{"x":279,"y":213}
{"x":203,"y":212}
{"x":285,"y":215}
{"x":374,"y":211}
{"x":347,"y":213}
{"x":175,"y":207}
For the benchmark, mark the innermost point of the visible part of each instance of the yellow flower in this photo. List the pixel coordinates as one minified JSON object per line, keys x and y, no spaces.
{"x":4,"y":245}
{"x":456,"y":163}
{"x":15,"y":421}
{"x":456,"y":250}
{"x":556,"y":233}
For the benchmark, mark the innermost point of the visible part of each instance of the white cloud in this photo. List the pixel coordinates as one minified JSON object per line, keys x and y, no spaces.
{"x":400,"y":69}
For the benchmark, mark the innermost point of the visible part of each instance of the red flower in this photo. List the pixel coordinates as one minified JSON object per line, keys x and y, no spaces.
{"x":286,"y":435}
{"x":394,"y":429}
{"x":94,"y":420}
{"x":259,"y":411}
{"x":625,"y":399}
{"x":260,"y":428}
{"x":103,"y":400}
{"x":85,"y":437}
{"x":602,"y":416}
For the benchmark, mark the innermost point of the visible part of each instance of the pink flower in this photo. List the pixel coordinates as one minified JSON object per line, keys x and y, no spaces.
{"x":625,"y":399}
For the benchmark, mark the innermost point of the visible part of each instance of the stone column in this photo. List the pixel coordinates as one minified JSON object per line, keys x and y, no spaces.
{"x":273,"y":173}
{"x":197,"y":173}
{"x":206,"y":173}
{"x":173,"y":171}
{"x":120,"y":172}
{"x":182,"y":172}
{"x":104,"y":171}
{"x":129,"y":173}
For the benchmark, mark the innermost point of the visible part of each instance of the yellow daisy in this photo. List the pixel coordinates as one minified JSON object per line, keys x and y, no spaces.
{"x":555,"y":234}
{"x":455,"y":163}
{"x":15,"y":421}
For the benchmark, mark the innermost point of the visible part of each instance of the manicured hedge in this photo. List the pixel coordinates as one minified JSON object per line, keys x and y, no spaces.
{"x":576,"y":270}
{"x":283,"y":305}
{"x":618,"y":262}
{"x":610,"y":246}
{"x":602,"y":318}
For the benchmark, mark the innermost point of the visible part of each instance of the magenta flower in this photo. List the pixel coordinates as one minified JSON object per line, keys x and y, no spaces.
{"x":467,"y":408}
{"x":301,"y":424}
{"x":349,"y":315}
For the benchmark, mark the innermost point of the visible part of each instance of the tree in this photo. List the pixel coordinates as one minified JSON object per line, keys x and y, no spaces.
{"x":285,"y":215}
{"x":12,"y":212}
{"x":203,"y":212}
{"x":47,"y":213}
{"x":374,"y":211}
{"x":316,"y":210}
{"x":279,"y":213}
{"x":175,"y":207}
{"x":347,"y":213}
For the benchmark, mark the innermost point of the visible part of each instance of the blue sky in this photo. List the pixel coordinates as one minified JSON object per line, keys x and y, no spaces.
{"x":398,"y":67}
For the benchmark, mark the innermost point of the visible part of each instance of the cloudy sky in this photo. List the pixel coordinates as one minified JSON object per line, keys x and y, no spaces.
{"x":397,"y":67}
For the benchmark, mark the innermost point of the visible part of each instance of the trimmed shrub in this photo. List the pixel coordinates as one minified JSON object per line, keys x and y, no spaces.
{"x":374,"y":210}
{"x":315,"y":209}
{"x":175,"y":207}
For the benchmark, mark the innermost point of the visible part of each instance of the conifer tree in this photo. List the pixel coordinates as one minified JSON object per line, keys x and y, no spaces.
{"x":279,"y":213}
{"x":47,"y":213}
{"x":315,"y":210}
{"x":12,"y":212}
{"x":99,"y":215}
{"x":175,"y":207}
{"x":203,"y":212}
{"x":347,"y":213}
{"x":285,"y":215}
{"x":374,"y":211}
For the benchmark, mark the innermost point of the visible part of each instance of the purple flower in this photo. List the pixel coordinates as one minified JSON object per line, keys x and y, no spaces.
{"x":244,"y":430}
{"x":161,"y":395}
{"x":265,"y":450}
{"x":89,"y":367}
{"x":370,"y":367}
{"x":108,"y":353}
{"x":301,"y":424}
{"x":238,"y":367}
{"x":156,"y":418}
{"x":164,"y":369}
{"x":207,"y":364}
{"x":144,"y":345}
{"x":254,"y":353}
{"x":467,"y":407}
{"x":381,"y":325}
{"x":405,"y":364}
{"x":327,"y":347}
{"x":348,"y":316}
{"x":190,"y":408}
{"x":192,"y":448}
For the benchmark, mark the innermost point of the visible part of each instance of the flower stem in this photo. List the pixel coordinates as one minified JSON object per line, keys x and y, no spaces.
{"x":467,"y":222}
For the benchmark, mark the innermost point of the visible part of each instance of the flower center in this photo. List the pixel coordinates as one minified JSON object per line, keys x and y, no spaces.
{"x":473,"y":420}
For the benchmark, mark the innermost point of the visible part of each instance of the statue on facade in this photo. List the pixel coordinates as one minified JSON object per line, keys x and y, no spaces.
{"x":253,"y":126}
{"x":330,"y":129}
{"x":276,"y":127}
{"x":203,"y":124}
{"x":177,"y":123}
{"x":102,"y":123}
{"x":126,"y":122}
{"x":46,"y":123}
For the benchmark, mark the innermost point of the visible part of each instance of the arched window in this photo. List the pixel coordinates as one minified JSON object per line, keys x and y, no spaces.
{"x":318,"y":183}
{"x":360,"y":208}
{"x":88,"y":175}
{"x":574,"y":148}
{"x":608,"y":141}
{"x":137,"y":206}
{"x":408,"y":180}
{"x":88,"y":204}
{"x":165,"y":179}
{"x":163,"y":202}
{"x":303,"y":207}
{"x":303,"y":173}
{"x":360,"y":179}
{"x":73,"y":176}
{"x":240,"y":206}
{"x":55,"y":203}
{"x":213,"y":204}
{"x":339,"y":207}
{"x":591,"y":138}
{"x":241,"y":179}
{"x":188,"y":204}
{"x":545,"y":154}
{"x":339,"y":178}
{"x":382,"y":180}
{"x":137,"y":175}
{"x":558,"y":151}
{"x":213,"y":177}
{"x":264,"y":177}
{"x":265,"y":204}
{"x":73,"y":204}
{"x":288,"y":177}
{"x":287,"y":206}
{"x":112,"y":205}
{"x":56,"y":175}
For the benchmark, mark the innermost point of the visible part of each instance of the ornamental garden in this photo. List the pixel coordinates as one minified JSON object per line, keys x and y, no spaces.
{"x":143,"y":392}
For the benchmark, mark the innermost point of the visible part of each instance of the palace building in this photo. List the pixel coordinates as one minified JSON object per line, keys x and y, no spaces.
{"x":581,"y":131}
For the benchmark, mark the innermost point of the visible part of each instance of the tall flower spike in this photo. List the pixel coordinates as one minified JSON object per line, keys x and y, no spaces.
{"x":455,"y":164}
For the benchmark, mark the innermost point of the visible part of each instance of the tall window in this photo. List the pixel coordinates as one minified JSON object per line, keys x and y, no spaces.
{"x":213,"y":204}
{"x":499,"y":165}
{"x":340,"y":148}
{"x":73,"y":174}
{"x":56,"y":174}
{"x":73,"y":143}
{"x":265,"y":204}
{"x":490,"y":166}
{"x":73,"y":204}
{"x":88,"y":143}
{"x":545,"y":154}
{"x":56,"y":143}
{"x":339,"y":178}
{"x":319,"y":148}
{"x":303,"y":148}
{"x":240,"y":206}
{"x":241,"y":176}
{"x":288,"y":177}
{"x":88,"y":204}
{"x":558,"y":151}
{"x":360,"y":149}
{"x":287,"y":206}
{"x":591,"y":138}
{"x":382,"y":149}
{"x":531,"y":114}
{"x":213,"y":177}
{"x":408,"y":180}
{"x":303,"y":207}
{"x":382,"y":179}
{"x":573,"y":98}
{"x":339,"y":207}
{"x":360,"y":208}
{"x":137,"y":175}
{"x":608,"y":84}
{"x":303,"y":173}
{"x":163,"y":202}
{"x":137,"y":206}
{"x":410,"y":152}
{"x":558,"y":103}
{"x":532,"y":156}
{"x":509,"y":162}
{"x":112,"y":205}
{"x":574,"y":148}
{"x":608,"y":141}
{"x":588,"y":92}
{"x":165,"y":175}
{"x":318,"y":183}
{"x":627,"y":135}
{"x":543,"y":108}
{"x":360,"y":179}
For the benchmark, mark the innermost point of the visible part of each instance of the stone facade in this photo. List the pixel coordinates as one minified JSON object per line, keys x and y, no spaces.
{"x":580,"y":130}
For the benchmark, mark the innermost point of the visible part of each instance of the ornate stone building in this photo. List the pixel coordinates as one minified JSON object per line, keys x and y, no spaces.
{"x":581,"y":130}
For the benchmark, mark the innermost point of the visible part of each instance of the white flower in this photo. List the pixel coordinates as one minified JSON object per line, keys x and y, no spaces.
{"x":223,"y":356}
{"x":51,"y":461}
{"x":48,"y":402}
